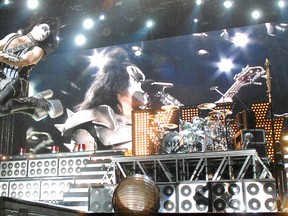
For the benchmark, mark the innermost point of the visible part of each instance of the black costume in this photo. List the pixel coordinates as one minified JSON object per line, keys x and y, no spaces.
{"x":14,"y":87}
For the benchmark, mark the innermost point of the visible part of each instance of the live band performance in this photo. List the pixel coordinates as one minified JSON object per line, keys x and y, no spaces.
{"x":142,"y":107}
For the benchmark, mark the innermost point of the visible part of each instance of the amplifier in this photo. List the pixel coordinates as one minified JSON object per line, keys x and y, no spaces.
{"x":258,"y":137}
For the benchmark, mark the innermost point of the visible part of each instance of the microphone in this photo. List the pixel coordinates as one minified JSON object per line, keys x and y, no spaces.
{"x":151,"y":85}
{"x":213,"y":88}
{"x":164,"y":84}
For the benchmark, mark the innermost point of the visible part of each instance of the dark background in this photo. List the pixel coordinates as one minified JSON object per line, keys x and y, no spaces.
{"x":170,"y":49}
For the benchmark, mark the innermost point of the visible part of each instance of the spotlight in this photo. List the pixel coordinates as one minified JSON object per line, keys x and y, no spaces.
{"x":102,"y":17}
{"x":149,"y":23}
{"x":32,"y":4}
{"x":227,"y":4}
{"x":281,"y":3}
{"x":80,"y":40}
{"x":198,"y":2}
{"x":256,"y":14}
{"x":88,"y":23}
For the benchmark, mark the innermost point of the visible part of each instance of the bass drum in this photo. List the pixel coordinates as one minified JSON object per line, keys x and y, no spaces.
{"x":171,"y":143}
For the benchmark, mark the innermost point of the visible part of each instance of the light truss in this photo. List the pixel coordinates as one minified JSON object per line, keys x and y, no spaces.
{"x":208,"y":166}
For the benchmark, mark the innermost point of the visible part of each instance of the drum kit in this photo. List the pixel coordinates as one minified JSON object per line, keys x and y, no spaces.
{"x":212,"y":133}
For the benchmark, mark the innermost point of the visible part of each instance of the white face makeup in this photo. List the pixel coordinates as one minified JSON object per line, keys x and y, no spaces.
{"x":135,"y":90}
{"x":40,"y":32}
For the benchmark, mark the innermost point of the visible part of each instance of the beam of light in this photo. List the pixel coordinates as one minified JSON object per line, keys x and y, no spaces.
{"x":240,"y":39}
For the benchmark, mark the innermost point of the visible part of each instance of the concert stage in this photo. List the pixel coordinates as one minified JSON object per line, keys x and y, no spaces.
{"x":84,"y":182}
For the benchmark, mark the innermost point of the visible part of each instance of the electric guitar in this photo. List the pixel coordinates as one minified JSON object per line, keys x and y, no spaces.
{"x":247,"y":76}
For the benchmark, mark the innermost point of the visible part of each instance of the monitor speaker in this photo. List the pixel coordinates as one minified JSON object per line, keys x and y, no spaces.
{"x":260,"y":196}
{"x":168,"y":202}
{"x":227,"y":196}
{"x":193,"y":197}
{"x":100,"y":198}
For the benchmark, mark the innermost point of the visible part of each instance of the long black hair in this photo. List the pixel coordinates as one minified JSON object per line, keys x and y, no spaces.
{"x":111,"y":80}
{"x":51,"y":42}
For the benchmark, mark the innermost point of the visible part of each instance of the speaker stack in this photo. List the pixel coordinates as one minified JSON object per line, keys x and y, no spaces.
{"x":193,"y":197}
{"x":168,"y":201}
{"x":227,"y":196}
{"x":260,"y":196}
{"x":100,"y":198}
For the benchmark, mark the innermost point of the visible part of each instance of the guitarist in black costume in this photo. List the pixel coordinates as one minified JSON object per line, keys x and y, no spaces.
{"x":19,"y":53}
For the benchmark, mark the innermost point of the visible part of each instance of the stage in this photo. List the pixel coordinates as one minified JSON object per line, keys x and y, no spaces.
{"x":84,"y":182}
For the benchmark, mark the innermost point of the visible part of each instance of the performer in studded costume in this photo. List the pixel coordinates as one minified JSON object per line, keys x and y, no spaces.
{"x":19,"y":53}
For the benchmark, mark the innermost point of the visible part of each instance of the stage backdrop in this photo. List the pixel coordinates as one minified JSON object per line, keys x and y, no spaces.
{"x":190,"y":62}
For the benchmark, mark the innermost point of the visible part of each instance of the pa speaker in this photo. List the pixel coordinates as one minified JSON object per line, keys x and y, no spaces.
{"x":100,"y":198}
{"x":193,"y":197}
{"x":260,"y":196}
{"x":168,"y":201}
{"x":227,"y":196}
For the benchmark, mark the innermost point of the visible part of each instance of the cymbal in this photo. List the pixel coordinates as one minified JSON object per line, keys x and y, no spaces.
{"x":206,"y":106}
{"x":221,"y":112}
{"x":170,"y":108}
{"x":169,"y":126}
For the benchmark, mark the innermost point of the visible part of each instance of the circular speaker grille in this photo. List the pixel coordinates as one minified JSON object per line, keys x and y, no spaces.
{"x":234,"y":189}
{"x":219,"y":204}
{"x":186,"y":205}
{"x":270,"y":204}
{"x":168,"y":190}
{"x":168,"y":205}
{"x":218,"y":189}
{"x":234,"y":204}
{"x":186,"y":190}
{"x":254,"y":204}
{"x":269,"y":188}
{"x":107,"y":206}
{"x":253,"y":189}
{"x":201,"y":205}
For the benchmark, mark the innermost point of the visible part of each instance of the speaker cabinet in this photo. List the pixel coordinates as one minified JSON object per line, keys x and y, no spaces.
{"x":168,"y":201}
{"x":193,"y":197}
{"x":227,"y":196}
{"x":260,"y":196}
{"x":100,"y":198}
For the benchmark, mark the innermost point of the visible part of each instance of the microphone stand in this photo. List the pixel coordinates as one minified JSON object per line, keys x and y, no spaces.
{"x":269,"y":94}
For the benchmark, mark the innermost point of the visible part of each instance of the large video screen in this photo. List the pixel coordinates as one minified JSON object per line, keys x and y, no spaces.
{"x":193,"y":69}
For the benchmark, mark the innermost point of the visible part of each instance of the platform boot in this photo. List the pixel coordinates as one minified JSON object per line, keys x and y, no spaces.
{"x":37,"y":106}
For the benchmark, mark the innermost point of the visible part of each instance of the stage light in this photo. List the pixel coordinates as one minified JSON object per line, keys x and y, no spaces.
{"x":256,"y":14}
{"x":102,"y":17}
{"x":195,"y":20}
{"x":80,"y":40}
{"x":225,"y":65}
{"x":281,"y":3}
{"x":150,"y":23}
{"x":88,"y":23}
{"x":227,"y":4}
{"x":240,"y":39}
{"x":198,"y":2}
{"x":32,"y":4}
